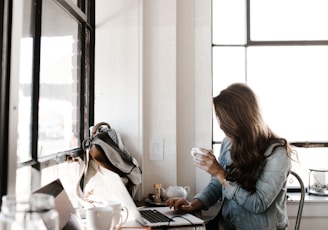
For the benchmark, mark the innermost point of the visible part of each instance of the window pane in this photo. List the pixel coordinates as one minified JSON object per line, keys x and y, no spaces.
{"x":229,"y":22}
{"x":289,"y":20}
{"x":22,"y":54}
{"x":291,"y":84}
{"x":59,"y":71}
{"x":216,"y":149}
{"x":228,"y":67}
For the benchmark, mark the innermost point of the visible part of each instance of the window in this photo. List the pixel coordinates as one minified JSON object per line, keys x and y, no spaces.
{"x":282,"y":58}
{"x":52,"y":66}
{"x":282,"y":55}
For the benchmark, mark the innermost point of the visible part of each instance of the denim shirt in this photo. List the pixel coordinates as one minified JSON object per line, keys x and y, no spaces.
{"x":265,"y":209}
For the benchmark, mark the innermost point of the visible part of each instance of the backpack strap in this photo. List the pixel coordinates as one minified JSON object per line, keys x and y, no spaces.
{"x":98,"y":127}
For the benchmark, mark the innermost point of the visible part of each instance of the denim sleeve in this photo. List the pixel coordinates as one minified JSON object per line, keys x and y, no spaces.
{"x":210,"y":194}
{"x":269,"y":185}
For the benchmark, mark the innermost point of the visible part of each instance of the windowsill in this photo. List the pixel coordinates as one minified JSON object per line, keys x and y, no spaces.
{"x":315,"y":209}
{"x":294,"y":197}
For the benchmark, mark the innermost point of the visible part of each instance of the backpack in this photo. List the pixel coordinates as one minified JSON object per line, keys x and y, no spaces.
{"x":104,"y":150}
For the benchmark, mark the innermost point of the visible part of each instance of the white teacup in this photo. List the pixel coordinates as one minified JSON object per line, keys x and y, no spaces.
{"x":195,"y":152}
{"x":99,"y":218}
{"x":120,"y":213}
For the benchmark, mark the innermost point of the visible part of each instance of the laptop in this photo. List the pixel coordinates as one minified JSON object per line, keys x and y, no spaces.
{"x":68,"y":218}
{"x":116,"y":190}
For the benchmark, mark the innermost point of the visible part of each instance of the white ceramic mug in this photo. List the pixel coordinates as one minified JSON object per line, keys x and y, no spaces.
{"x":99,"y":218}
{"x":195,"y":152}
{"x":120,"y":213}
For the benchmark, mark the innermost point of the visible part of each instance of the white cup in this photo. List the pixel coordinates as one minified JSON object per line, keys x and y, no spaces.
{"x":99,"y":218}
{"x":195,"y":152}
{"x":120,"y":213}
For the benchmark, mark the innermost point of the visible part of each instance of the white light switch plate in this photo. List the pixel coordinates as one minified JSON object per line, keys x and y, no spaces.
{"x":156,"y":149}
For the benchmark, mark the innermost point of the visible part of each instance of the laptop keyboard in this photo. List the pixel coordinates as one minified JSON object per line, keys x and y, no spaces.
{"x":154,"y":216}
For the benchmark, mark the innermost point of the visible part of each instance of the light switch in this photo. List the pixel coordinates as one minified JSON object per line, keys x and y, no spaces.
{"x":156,"y":150}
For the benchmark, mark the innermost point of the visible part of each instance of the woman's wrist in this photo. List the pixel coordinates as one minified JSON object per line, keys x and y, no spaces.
{"x":221,"y":178}
{"x":224,"y":183}
{"x":196,"y":204}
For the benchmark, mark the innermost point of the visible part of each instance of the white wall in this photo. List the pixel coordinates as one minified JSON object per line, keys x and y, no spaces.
{"x":154,"y":83}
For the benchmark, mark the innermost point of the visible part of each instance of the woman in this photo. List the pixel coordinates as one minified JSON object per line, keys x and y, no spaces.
{"x":251,"y":172}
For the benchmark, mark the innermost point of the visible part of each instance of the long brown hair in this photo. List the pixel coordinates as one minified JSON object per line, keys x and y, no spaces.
{"x":240,"y":118}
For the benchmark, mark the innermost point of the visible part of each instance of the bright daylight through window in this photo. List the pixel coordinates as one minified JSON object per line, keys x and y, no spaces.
{"x":51,"y":66}
{"x":284,"y":59}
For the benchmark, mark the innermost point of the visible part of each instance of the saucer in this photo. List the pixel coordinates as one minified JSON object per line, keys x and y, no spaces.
{"x":149,"y":202}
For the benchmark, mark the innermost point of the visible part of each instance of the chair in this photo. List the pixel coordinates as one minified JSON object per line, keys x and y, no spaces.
{"x":213,"y":223}
{"x":301,"y":203}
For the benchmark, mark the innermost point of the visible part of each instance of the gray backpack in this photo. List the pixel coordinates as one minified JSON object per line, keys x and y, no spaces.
{"x":106,"y":148}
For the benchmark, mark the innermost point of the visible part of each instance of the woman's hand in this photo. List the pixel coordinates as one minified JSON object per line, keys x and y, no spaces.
{"x":209,"y":163}
{"x":181,"y":204}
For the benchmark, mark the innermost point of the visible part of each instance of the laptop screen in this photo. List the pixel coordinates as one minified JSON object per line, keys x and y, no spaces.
{"x":68,"y":219}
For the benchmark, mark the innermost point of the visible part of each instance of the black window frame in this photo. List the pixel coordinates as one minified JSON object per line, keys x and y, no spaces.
{"x":84,"y":13}
{"x":5,"y":24}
